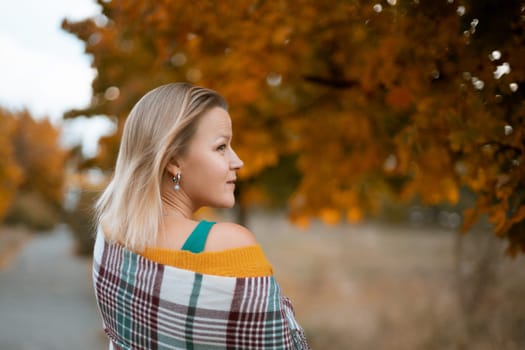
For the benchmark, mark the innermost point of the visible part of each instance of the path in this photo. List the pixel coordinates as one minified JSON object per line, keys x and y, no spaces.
{"x":46,"y":298}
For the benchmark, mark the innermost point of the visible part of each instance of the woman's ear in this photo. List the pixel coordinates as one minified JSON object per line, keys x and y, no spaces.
{"x":173,"y":167}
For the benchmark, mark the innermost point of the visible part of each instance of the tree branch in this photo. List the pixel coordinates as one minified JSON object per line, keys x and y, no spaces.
{"x":331,"y":82}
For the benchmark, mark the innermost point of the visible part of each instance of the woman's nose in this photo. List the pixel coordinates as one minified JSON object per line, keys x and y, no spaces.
{"x":236,"y":162}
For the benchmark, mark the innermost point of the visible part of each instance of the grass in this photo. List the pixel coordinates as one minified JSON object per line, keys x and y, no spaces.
{"x":375,"y":286}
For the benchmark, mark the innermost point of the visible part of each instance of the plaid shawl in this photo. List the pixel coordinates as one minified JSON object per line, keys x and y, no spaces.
{"x":146,"y":305}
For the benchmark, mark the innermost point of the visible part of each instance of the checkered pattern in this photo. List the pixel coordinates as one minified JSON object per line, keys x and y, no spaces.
{"x":145,"y":305}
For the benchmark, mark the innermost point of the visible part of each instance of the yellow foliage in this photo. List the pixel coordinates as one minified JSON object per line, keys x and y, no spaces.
{"x":281,"y":35}
{"x":470,"y":216}
{"x":479,"y":181}
{"x":301,"y":221}
{"x":253,"y":195}
{"x":39,"y":154}
{"x":451,"y":191}
{"x":340,"y":86}
{"x":354,"y":215}
{"x":399,"y":98}
{"x":10,"y":172}
{"x":330,"y":216}
{"x":30,"y":159}
{"x":498,"y":218}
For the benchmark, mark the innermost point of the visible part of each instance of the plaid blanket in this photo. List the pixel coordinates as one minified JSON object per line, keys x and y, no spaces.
{"x":146,"y":305}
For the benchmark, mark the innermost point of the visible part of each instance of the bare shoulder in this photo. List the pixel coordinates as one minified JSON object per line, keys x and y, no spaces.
{"x":227,"y":235}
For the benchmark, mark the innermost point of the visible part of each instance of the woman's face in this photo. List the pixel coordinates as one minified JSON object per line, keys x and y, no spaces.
{"x":209,"y":166}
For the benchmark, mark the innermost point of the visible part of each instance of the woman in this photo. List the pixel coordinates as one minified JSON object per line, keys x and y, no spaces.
{"x":163,"y":280}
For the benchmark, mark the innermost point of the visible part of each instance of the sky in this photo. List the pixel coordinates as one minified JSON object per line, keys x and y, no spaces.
{"x":44,"y":69}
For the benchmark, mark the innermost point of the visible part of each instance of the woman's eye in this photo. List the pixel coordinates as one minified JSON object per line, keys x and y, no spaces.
{"x":221,"y":148}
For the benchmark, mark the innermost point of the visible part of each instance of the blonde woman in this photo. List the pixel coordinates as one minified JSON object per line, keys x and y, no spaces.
{"x":162,"y":279}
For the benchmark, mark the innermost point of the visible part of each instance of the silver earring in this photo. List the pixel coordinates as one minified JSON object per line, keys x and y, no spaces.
{"x":176,"y":181}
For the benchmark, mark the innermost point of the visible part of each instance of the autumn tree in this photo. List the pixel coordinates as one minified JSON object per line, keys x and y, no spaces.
{"x":37,"y":149}
{"x":32,"y":171}
{"x":10,"y":171}
{"x":357,"y":99}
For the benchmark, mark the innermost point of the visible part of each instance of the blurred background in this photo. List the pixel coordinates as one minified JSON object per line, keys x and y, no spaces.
{"x":383,"y":144}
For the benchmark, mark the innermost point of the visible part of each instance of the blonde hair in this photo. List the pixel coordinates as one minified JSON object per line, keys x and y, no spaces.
{"x":158,"y":128}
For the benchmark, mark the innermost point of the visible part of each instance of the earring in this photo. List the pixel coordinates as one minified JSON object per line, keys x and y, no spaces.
{"x":176,"y":181}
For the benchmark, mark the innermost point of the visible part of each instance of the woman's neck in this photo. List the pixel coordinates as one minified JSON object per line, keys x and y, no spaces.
{"x":176,"y":204}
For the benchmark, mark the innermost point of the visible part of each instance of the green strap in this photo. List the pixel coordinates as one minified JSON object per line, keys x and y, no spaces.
{"x":197,"y":239}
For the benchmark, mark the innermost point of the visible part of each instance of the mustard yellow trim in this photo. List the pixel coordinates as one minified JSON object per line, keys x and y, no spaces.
{"x":238,"y":262}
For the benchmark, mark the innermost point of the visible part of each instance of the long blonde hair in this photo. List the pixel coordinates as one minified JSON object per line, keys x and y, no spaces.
{"x":158,"y":128}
